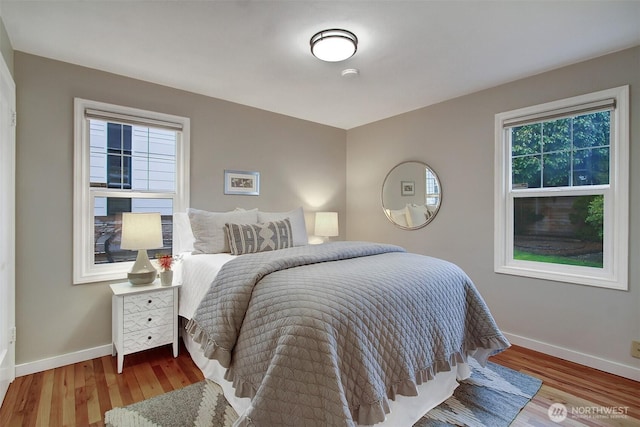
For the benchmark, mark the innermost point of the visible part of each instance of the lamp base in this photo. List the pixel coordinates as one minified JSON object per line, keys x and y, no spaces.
{"x":142,"y":272}
{"x":143,"y":278}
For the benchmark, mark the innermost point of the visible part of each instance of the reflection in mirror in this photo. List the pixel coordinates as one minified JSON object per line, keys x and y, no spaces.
{"x":411,"y":195}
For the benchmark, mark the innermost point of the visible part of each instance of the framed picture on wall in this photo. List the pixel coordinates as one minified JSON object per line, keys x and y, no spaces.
{"x":407,"y":188}
{"x":241,"y":182}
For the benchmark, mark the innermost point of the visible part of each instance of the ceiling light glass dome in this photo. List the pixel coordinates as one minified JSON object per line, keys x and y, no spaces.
{"x":334,"y":45}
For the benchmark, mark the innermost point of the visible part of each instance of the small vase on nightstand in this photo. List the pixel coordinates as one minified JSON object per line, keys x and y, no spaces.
{"x":166,"y":277}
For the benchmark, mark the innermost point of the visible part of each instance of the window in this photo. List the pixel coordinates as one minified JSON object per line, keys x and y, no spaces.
{"x":126,"y":160}
{"x":118,"y":153}
{"x":432,"y":195}
{"x":562,"y":180}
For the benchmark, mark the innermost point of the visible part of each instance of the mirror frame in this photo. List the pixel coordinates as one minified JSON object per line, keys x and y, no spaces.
{"x":435,"y":212}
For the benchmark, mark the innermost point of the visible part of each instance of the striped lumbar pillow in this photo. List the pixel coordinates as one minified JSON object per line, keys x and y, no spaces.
{"x":252,"y":238}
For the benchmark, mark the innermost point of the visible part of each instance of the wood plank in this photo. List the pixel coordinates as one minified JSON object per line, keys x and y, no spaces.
{"x":111,"y":379}
{"x":102,"y":389}
{"x":162,"y":378}
{"x":68,"y":387}
{"x":94,"y":413}
{"x":80,"y":396}
{"x":176,"y":376}
{"x":46,"y":394}
{"x":190,"y":369}
{"x":32,"y":401}
{"x":132,"y":385}
{"x":55,"y":414}
{"x":148,"y":381}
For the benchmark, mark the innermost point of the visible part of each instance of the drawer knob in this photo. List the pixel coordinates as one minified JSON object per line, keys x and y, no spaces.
{"x":149,"y":337}
{"x":149,"y":319}
{"x":149,"y":302}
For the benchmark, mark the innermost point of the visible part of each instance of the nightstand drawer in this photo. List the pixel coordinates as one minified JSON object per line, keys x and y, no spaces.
{"x":148,"y":319}
{"x":148,"y":338}
{"x":148,"y":301}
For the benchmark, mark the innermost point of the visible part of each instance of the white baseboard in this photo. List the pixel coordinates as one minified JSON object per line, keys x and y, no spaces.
{"x":62,"y":360}
{"x":609,"y":366}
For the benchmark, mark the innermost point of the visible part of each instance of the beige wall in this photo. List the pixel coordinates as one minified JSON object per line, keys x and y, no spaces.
{"x":301,"y":164}
{"x":456,"y":138}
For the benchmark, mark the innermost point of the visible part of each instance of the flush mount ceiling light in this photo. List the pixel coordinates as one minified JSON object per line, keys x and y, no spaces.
{"x":334,"y":45}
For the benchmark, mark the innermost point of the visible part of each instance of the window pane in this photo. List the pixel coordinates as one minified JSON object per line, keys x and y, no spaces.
{"x":592,"y":130}
{"x":98,"y":153}
{"x":557,"y":169}
{"x":154,"y":153}
{"x":132,"y":157}
{"x":559,"y":230}
{"x":119,"y":171}
{"x":432,"y":196}
{"x":557,"y":135}
{"x":108,"y":222}
{"x":115,"y":137}
{"x":119,"y":156}
{"x":526,"y":139}
{"x":591,"y":167}
{"x":526,"y":172}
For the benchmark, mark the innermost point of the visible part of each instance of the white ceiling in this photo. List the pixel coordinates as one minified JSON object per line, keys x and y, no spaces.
{"x":411,"y":53}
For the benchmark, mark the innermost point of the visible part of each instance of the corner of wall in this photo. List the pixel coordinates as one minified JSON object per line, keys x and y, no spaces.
{"x":5,"y":46}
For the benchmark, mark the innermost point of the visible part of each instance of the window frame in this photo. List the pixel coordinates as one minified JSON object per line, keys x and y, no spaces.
{"x":614,"y":274}
{"x":84,"y":269}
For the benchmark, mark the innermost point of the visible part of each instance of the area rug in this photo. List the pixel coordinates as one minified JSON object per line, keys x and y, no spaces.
{"x":493,"y":396}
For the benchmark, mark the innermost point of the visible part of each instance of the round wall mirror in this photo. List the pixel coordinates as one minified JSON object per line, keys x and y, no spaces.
{"x":411,"y":195}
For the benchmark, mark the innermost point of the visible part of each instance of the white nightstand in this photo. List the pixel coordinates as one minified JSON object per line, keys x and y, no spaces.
{"x":143,"y":317}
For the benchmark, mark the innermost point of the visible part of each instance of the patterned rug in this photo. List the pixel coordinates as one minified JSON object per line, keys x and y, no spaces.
{"x":492,"y":397}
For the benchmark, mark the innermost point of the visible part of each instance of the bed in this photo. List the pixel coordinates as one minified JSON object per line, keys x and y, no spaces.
{"x":345,"y":333}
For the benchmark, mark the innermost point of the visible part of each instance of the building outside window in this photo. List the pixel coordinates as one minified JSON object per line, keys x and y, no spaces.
{"x":562,"y":190}
{"x":127,"y":160}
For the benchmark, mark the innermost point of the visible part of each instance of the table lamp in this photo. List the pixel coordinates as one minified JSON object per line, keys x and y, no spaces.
{"x":141,"y":231}
{"x":326,"y":224}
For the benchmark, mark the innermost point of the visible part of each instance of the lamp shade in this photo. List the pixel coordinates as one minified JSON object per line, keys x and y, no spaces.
{"x":326,"y":224}
{"x":334,"y":45}
{"x":141,"y":231}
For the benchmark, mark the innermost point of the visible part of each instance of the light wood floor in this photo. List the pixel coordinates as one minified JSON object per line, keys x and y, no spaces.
{"x":586,"y":392}
{"x":80,"y":394}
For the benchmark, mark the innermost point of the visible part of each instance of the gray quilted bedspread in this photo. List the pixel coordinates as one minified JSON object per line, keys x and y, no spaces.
{"x":324,"y":335}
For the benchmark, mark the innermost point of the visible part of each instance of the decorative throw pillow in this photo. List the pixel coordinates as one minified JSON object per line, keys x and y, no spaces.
{"x":417,"y":215}
{"x":399,"y":216}
{"x":298,"y":225}
{"x":208,"y":228}
{"x":252,"y":238}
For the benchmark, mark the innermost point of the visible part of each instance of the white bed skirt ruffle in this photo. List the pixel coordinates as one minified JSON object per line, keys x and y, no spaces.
{"x":405,"y":411}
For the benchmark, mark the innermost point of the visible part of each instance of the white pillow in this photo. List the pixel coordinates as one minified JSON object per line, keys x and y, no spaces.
{"x":183,"y":238}
{"x":296,"y":218}
{"x":417,"y":215}
{"x":208,"y":228}
{"x":399,"y":216}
